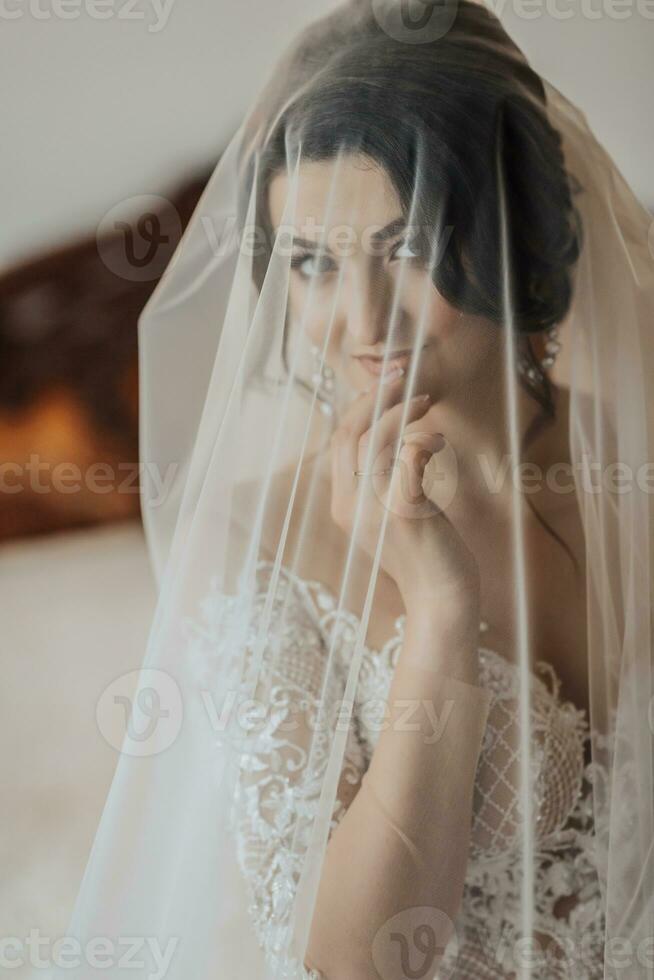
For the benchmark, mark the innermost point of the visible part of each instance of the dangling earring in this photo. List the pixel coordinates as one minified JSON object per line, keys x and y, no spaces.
{"x":323,"y":380}
{"x":552,"y":348}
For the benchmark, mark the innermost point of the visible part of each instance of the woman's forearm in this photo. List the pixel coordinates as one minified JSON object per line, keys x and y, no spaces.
{"x":403,"y":842}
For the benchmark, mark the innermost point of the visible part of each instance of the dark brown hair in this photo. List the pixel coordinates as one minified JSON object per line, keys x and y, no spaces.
{"x":447,"y":120}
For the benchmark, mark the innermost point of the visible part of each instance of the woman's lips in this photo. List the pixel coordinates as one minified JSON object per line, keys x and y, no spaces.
{"x":376,"y":366}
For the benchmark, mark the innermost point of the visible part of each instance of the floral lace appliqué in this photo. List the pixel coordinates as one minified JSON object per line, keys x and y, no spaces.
{"x":279,"y":791}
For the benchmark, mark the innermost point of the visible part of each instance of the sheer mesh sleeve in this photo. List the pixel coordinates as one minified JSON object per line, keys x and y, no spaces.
{"x":277,"y":794}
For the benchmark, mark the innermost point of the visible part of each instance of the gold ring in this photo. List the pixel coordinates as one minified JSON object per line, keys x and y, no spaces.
{"x":372,"y":472}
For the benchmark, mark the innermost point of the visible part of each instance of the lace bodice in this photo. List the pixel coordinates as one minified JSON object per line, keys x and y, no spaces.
{"x":272,"y":814}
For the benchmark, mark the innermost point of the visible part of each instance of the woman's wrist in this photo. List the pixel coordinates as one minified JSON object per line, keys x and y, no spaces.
{"x":443,"y":635}
{"x":454,"y":602}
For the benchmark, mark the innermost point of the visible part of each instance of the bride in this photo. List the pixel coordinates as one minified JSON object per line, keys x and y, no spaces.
{"x":406,"y":565}
{"x":440,"y":571}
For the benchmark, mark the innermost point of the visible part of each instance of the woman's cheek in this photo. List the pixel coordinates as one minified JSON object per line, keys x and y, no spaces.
{"x":317,"y":330}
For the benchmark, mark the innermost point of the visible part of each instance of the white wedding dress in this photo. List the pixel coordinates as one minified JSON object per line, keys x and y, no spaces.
{"x":277,"y":786}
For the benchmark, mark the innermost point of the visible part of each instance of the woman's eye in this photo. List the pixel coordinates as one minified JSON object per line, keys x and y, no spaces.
{"x":405,"y":250}
{"x":311,"y":266}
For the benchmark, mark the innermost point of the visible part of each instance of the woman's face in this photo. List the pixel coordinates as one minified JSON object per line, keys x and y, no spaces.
{"x":367,"y":288}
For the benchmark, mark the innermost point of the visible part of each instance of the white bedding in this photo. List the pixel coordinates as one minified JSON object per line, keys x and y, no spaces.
{"x":75,"y":610}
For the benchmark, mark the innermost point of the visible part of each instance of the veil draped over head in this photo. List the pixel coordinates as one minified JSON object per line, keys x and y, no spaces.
{"x":405,"y":183}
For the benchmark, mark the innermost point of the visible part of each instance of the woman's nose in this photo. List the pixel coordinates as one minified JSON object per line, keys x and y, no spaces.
{"x":368,"y":305}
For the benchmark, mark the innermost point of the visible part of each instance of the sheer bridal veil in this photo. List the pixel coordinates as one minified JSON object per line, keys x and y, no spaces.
{"x":528,"y":272}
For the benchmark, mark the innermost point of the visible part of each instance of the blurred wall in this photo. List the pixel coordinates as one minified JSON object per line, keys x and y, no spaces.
{"x":605,"y":65}
{"x":98,"y":110}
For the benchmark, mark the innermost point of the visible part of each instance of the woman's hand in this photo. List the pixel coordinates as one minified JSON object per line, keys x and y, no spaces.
{"x":422,"y":551}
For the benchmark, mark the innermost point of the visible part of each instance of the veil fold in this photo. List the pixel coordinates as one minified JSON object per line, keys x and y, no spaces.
{"x":256,"y":747}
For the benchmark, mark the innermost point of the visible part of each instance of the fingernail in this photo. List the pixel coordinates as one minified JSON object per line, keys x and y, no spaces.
{"x":434,"y":442}
{"x":392,"y":376}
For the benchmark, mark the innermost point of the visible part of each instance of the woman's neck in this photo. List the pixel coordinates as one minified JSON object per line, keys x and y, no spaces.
{"x":482,"y":449}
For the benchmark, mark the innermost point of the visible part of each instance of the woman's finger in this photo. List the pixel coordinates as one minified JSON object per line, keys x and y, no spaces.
{"x":355,"y":421}
{"x":389,"y":428}
{"x":405,"y":495}
{"x":360,"y":413}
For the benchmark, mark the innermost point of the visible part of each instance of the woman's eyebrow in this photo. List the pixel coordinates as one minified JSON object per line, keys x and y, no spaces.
{"x":393,"y":228}
{"x":305,"y":243}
